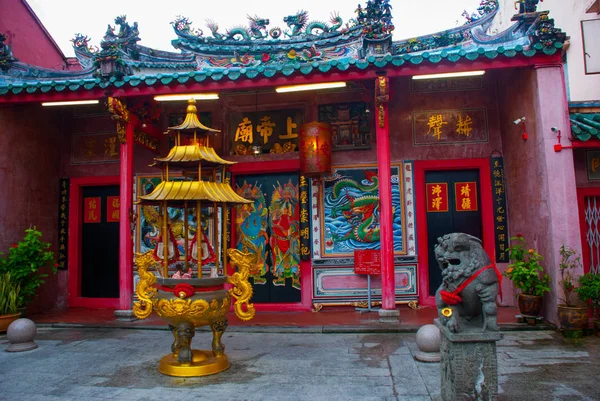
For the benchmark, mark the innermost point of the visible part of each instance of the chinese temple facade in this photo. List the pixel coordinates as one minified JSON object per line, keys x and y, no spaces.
{"x":414,"y":154}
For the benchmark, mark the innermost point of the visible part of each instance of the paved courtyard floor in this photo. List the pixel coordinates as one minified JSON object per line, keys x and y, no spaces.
{"x":120,"y":364}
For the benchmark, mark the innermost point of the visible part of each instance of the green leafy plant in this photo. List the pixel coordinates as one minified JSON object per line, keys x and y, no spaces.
{"x":23,"y":262}
{"x":9,"y":294}
{"x":525,"y":270}
{"x":589,"y":290}
{"x":569,"y":262}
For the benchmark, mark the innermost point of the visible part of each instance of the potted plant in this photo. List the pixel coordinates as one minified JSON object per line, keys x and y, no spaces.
{"x":527,"y":274}
{"x":572,"y":315}
{"x":589,"y":290}
{"x":24,"y":261}
{"x":9,"y":294}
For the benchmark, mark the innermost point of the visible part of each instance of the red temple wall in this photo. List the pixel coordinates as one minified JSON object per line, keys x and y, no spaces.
{"x":540,"y":183}
{"x":29,"y":174}
{"x":30,"y":41}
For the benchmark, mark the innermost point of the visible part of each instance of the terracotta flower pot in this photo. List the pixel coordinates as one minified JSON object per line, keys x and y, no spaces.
{"x":530,"y":305}
{"x":6,"y":320}
{"x":572,"y":319}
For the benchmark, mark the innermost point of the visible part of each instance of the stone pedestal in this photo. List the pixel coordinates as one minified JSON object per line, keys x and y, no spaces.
{"x":125,"y":315}
{"x":469,"y":365}
{"x":389,"y":316}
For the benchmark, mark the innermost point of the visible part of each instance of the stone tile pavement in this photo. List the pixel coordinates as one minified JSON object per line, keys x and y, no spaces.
{"x":120,"y":364}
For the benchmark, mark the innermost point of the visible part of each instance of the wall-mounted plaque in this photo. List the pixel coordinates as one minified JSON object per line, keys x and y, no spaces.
{"x":63,"y":223}
{"x":349,"y":125}
{"x":440,"y":127}
{"x":95,"y":148}
{"x":593,"y":164}
{"x":446,"y":84}
{"x":500,"y":212}
{"x":275,"y":130}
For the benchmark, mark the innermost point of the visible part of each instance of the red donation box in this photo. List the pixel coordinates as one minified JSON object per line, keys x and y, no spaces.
{"x":367,"y":261}
{"x":315,"y":148}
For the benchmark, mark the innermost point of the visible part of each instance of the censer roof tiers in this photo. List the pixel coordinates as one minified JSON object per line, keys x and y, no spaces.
{"x":192,"y":153}
{"x":193,"y":191}
{"x":191,"y":121}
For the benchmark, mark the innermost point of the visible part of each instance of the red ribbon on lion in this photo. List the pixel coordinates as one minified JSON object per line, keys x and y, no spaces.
{"x":452,"y":298}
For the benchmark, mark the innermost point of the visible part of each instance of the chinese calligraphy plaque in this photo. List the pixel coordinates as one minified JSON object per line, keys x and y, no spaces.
{"x":466,"y":196}
{"x":593,"y":164}
{"x":449,"y":126}
{"x":437,"y":197}
{"x":92,"y":210}
{"x":63,"y":223}
{"x":447,"y":84}
{"x":500,"y":212}
{"x":269,"y":129}
{"x":94,"y":148}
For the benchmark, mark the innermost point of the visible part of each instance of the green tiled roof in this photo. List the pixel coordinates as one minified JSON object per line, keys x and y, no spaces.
{"x":365,"y":43}
{"x":235,"y":73}
{"x":585,"y":126}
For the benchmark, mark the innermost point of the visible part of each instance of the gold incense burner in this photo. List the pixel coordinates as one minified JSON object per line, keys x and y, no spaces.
{"x":186,"y":299}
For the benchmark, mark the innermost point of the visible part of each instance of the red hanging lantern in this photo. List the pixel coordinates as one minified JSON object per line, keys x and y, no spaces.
{"x":315,"y":148}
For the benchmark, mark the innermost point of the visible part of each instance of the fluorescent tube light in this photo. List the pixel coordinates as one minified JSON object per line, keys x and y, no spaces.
{"x":309,"y":87}
{"x":450,"y":75}
{"x":70,"y":103}
{"x":186,"y":96}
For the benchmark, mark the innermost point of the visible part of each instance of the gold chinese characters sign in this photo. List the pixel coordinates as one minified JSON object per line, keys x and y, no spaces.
{"x":63,"y":223}
{"x":438,"y":127}
{"x":94,"y":148}
{"x":271,"y":130}
{"x":500,"y":212}
{"x":447,"y":84}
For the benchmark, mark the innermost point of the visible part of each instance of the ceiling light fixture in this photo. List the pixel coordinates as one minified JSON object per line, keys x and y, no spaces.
{"x":186,"y":96}
{"x":309,"y":87}
{"x":450,"y":75}
{"x":70,"y":103}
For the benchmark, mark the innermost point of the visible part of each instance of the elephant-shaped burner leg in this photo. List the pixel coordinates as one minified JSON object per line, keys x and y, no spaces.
{"x":184,"y":333}
{"x":218,"y":328}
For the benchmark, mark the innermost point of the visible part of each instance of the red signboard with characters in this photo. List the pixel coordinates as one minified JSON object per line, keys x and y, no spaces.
{"x":466,"y":196}
{"x":112,"y":209}
{"x":437,"y":197}
{"x":367,"y":261}
{"x":91,"y":210}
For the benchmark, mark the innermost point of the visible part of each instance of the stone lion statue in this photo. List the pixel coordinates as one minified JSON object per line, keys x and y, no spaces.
{"x":466,"y":300}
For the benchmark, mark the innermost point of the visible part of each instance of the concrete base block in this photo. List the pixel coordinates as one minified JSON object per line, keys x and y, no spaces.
{"x":125,"y":315}
{"x":423,"y":356}
{"x":469,"y":365}
{"x":389,"y":316}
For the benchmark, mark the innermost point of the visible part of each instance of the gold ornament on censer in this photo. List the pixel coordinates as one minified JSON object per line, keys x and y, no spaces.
{"x":175,"y":287}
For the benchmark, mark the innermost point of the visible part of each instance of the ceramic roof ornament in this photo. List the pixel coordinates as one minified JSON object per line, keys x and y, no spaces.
{"x":262,"y":51}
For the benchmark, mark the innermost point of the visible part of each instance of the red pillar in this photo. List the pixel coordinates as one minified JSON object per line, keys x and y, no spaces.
{"x":126,"y":204}
{"x":388,"y":297}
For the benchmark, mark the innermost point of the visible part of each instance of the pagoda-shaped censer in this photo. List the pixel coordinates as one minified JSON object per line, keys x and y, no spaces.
{"x":176,"y":289}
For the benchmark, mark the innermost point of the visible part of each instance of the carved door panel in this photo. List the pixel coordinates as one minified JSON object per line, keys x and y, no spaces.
{"x":269,"y":228}
{"x":453,"y":205}
{"x":100,"y":242}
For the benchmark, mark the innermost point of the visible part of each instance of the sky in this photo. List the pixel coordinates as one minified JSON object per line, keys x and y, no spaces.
{"x":64,"y":18}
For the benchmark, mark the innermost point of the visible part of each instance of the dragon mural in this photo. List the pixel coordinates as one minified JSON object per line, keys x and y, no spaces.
{"x":351,"y":205}
{"x":251,"y":224}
